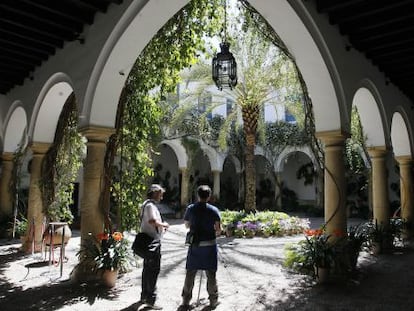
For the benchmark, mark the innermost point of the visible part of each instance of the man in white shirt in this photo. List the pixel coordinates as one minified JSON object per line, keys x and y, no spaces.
{"x":153,"y":225}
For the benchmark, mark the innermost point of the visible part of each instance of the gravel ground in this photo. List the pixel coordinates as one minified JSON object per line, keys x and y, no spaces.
{"x":250,"y":277}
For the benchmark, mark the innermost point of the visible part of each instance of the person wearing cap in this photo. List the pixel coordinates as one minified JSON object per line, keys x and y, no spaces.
{"x":154,"y":226}
{"x":203,"y":220}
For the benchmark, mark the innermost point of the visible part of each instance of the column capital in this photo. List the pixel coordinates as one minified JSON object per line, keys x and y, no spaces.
{"x":97,"y":133}
{"x":404,"y":160}
{"x":332,"y":138}
{"x":377,"y":151}
{"x":7,"y":156}
{"x":39,"y":148}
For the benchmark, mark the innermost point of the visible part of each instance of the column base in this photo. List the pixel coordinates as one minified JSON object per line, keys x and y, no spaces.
{"x":28,"y":247}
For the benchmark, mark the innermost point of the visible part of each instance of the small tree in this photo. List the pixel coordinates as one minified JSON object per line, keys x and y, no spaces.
{"x":61,"y":164}
{"x":265,"y":77}
{"x":154,"y":75}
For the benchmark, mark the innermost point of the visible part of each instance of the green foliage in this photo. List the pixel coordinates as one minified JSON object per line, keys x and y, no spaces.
{"x":20,"y":225}
{"x":61,"y":164}
{"x":264,"y":223}
{"x":356,"y":157}
{"x":15,"y":179}
{"x":354,"y":148}
{"x":154,"y":75}
{"x":266,"y":76}
{"x":296,"y":258}
{"x":105,"y":251}
{"x":280,"y":134}
{"x":306,"y":171}
{"x":315,"y":251}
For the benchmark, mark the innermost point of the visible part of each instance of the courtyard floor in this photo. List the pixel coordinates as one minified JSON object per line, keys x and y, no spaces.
{"x":250,"y":277}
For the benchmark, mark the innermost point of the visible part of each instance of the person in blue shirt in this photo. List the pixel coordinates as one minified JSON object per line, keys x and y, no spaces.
{"x":203,"y":220}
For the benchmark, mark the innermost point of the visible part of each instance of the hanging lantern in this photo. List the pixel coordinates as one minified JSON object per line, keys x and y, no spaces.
{"x":224,"y":68}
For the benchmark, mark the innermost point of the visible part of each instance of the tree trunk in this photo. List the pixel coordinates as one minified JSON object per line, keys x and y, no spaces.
{"x":250,"y":199}
{"x":250,"y":115}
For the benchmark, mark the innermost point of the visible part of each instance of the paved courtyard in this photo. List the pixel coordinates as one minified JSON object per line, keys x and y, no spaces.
{"x":250,"y":277}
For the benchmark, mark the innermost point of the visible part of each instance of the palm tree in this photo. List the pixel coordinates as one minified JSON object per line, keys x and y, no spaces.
{"x":265,"y":77}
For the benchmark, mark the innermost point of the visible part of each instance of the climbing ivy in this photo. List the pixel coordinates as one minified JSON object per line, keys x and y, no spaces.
{"x":154,"y":75}
{"x":61,"y":164}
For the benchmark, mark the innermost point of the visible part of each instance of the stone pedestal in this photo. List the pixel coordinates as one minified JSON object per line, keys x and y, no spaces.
{"x":335,"y":183}
{"x":406,"y":195}
{"x":35,"y":215}
{"x":380,"y":200}
{"x":6,"y":195}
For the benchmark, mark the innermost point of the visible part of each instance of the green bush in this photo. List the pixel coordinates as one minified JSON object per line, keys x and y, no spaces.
{"x":260,"y":223}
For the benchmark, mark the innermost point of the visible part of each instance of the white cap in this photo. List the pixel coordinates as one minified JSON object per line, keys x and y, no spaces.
{"x":156,"y":187}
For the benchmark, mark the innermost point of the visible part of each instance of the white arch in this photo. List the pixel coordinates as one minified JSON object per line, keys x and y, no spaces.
{"x":370,"y":117}
{"x":135,"y":29}
{"x":258,"y":150}
{"x":124,"y":45}
{"x":15,"y":127}
{"x":399,"y":136}
{"x":48,"y":107}
{"x":216,"y":158}
{"x":179,"y":150}
{"x":279,"y":163}
{"x":300,"y":34}
{"x":236,"y":162}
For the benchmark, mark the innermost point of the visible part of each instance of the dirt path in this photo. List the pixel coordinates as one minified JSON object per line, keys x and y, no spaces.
{"x":250,"y":277}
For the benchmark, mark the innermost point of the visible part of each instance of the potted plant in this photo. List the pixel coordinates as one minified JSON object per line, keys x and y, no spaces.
{"x":60,"y":168}
{"x":357,"y":236}
{"x":378,"y":237}
{"x":19,"y":226}
{"x":107,"y":254}
{"x":319,"y":252}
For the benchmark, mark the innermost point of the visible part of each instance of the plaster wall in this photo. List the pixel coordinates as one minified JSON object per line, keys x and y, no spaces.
{"x":292,"y":164}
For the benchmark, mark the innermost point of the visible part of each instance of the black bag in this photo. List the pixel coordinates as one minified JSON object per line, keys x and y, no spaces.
{"x":145,"y":245}
{"x":189,"y":238}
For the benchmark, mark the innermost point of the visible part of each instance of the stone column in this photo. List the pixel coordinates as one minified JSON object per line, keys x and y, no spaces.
{"x":184,"y":186}
{"x":92,"y":213}
{"x":406,"y":193}
{"x":216,"y":186}
{"x":380,"y":200}
{"x":278,"y":191}
{"x":35,"y":214}
{"x":335,"y":183}
{"x":6,"y":196}
{"x":92,"y":216}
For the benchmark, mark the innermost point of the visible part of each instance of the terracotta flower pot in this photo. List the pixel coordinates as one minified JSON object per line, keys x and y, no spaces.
{"x":376,"y":248}
{"x":109,"y":277}
{"x":322,"y":274}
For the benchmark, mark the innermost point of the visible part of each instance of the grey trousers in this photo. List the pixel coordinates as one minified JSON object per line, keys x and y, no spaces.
{"x":212,"y":288}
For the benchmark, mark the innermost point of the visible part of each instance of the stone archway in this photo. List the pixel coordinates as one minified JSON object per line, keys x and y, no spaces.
{"x":403,"y":155}
{"x":15,"y":139}
{"x":123,"y":46}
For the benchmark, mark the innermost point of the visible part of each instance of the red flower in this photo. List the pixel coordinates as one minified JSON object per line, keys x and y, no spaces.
{"x":315,"y":232}
{"x":117,"y":236}
{"x":102,"y":236}
{"x":338,"y":233}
